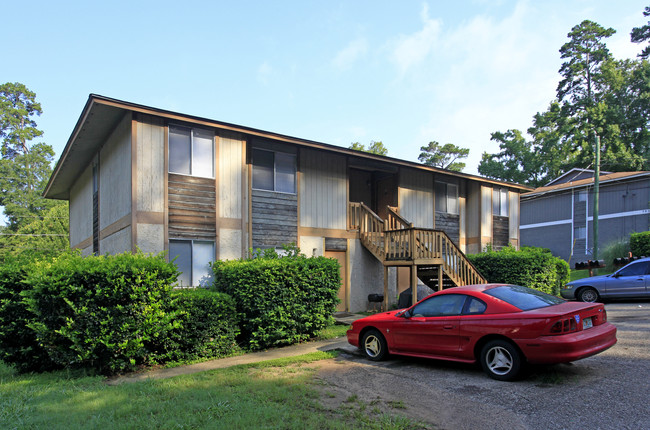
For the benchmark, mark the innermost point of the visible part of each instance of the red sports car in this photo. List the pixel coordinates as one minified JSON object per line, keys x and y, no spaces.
{"x":502,"y":326}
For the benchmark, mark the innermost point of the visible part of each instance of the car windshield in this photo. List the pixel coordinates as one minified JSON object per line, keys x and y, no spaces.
{"x":522,"y":297}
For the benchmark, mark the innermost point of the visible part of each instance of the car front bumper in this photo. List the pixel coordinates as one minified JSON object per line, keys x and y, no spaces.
{"x":568,"y":293}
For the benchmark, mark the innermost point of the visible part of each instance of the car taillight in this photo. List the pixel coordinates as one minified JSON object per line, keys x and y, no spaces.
{"x":563,"y":326}
{"x":604,"y":315}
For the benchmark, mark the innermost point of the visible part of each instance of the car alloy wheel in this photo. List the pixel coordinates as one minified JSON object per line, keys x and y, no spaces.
{"x":588,"y":295}
{"x":374,"y":345}
{"x":501,"y":360}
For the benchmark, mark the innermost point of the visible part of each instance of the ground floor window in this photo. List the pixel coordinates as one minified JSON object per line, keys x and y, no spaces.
{"x":192,"y":259}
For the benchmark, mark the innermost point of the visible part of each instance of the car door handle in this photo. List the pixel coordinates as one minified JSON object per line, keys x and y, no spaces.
{"x":447,"y":327}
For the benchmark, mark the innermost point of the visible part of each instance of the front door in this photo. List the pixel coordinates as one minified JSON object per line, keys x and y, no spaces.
{"x":340,"y":257}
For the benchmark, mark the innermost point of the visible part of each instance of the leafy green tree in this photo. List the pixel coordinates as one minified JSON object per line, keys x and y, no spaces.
{"x":443,"y":156}
{"x":375,"y":147}
{"x":24,"y":171}
{"x":18,"y":107}
{"x":642,"y":34}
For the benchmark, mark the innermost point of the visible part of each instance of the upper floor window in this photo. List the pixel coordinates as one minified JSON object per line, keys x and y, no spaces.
{"x":274,"y":171}
{"x":191,"y":151}
{"x":446,"y":198}
{"x":581,"y":196}
{"x":500,"y":202}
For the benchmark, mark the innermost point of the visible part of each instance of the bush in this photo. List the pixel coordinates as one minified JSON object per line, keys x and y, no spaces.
{"x":18,"y":343}
{"x":282,"y":300}
{"x":109,"y":313}
{"x":530,"y":267}
{"x":640,"y":244}
{"x":615,"y":249}
{"x":207,"y":325}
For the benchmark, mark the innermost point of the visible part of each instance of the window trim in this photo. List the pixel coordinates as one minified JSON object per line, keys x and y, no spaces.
{"x":275,"y":171}
{"x":192,"y":130}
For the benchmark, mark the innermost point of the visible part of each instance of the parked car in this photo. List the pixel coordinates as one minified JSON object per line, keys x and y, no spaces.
{"x":501,"y":326}
{"x":631,"y":281}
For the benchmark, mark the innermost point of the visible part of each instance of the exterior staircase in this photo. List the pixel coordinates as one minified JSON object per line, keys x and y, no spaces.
{"x":433,"y":256}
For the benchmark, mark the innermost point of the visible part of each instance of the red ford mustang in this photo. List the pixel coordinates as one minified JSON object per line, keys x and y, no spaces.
{"x":501,"y":326}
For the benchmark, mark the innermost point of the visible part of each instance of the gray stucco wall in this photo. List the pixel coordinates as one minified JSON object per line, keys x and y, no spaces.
{"x":367,"y":277}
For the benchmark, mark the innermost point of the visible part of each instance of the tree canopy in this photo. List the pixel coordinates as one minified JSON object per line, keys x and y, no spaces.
{"x":375,"y":147}
{"x":596,"y":96}
{"x":443,"y":156}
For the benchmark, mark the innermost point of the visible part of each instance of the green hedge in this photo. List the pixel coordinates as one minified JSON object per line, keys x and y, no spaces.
{"x":640,"y":244}
{"x":109,"y":313}
{"x":530,"y":267}
{"x":208,"y":325}
{"x":18,"y":343}
{"x":282,"y":300}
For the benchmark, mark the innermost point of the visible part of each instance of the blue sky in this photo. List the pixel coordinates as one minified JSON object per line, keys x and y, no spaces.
{"x":404,"y":72}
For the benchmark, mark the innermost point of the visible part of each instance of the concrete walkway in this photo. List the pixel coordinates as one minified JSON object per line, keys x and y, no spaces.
{"x":340,"y":343}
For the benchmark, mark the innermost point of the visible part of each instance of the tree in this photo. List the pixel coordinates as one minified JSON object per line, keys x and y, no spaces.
{"x":24,"y":167}
{"x":642,"y":34}
{"x":17,"y":127}
{"x":375,"y":147}
{"x":443,"y":156}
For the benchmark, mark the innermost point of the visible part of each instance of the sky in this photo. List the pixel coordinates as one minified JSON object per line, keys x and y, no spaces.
{"x":401,"y":72}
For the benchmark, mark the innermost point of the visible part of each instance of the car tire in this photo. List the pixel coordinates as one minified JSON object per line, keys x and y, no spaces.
{"x":374,"y":345}
{"x":501,"y":360}
{"x":588,"y":295}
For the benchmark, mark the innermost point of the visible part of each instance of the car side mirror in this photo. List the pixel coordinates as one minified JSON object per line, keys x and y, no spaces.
{"x":406,"y":314}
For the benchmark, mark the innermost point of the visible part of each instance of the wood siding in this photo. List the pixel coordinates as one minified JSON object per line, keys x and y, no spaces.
{"x":500,"y":231}
{"x":191,"y":207}
{"x":230,"y":176}
{"x":274,"y":219}
{"x":151,"y":164}
{"x":81,"y":208}
{"x":115,"y":175}
{"x":323,"y":190}
{"x":450,"y":224}
{"x":416,"y":197}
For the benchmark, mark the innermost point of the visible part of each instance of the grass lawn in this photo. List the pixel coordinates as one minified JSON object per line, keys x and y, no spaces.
{"x":278,"y":394}
{"x":579,"y":274}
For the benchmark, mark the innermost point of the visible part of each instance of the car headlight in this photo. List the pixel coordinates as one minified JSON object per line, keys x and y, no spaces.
{"x":567,"y":287}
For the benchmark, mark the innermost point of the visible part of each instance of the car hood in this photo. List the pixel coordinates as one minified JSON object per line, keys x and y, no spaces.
{"x":381,"y":316}
{"x":591,"y":280}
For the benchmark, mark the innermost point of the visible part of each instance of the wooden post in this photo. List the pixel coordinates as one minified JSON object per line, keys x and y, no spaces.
{"x":414,"y":283}
{"x":440,"y":278}
{"x":385,"y":288}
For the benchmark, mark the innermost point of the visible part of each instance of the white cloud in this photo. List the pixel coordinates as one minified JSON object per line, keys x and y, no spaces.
{"x":264,"y":71}
{"x":409,"y":51}
{"x":348,"y":55}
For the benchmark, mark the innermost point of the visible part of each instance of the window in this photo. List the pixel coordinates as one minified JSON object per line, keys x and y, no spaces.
{"x":636,"y":269}
{"x":192,"y":259}
{"x":191,"y":151}
{"x":581,"y":196}
{"x":522,"y":297}
{"x":500,"y":202}
{"x":446,"y":197}
{"x":474,"y":306}
{"x":440,"y":306}
{"x":274,"y":171}
{"x":580,"y":232}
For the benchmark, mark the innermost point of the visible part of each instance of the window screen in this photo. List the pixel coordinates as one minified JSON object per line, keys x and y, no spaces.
{"x":274,"y":171}
{"x":180,"y":150}
{"x":263,"y":170}
{"x":285,"y":172}
{"x":191,"y":151}
{"x":202,"y":256}
{"x":202,"y":154}
{"x":182,"y":250}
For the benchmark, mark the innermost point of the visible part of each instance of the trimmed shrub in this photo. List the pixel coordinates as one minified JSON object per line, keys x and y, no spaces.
{"x":108,"y":313}
{"x":18,"y":343}
{"x":640,"y":244}
{"x":529,"y":267}
{"x":207,"y":324}
{"x":282,"y":300}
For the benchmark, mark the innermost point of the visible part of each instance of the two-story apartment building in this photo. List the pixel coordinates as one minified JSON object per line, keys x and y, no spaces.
{"x":138,"y":177}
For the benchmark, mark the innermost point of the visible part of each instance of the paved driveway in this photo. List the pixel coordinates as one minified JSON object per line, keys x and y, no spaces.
{"x":607,"y":391}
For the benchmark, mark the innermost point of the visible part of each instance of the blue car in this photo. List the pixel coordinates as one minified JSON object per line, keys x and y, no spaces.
{"x":631,"y":281}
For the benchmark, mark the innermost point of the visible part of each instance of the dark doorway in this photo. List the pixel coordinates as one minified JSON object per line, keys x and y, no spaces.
{"x":376,"y":189}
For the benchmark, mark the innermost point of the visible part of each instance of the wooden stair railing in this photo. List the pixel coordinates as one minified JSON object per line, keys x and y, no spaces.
{"x":396,"y":240}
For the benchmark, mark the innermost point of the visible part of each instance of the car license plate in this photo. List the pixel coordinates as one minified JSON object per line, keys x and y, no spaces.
{"x":587,"y":323}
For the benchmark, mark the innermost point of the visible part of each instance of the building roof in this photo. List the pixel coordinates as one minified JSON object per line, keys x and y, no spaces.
{"x":574,"y":174}
{"x":101,"y":114}
{"x":604,"y":179}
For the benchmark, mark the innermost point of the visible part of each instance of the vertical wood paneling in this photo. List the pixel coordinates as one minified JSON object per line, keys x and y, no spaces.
{"x":230,"y":176}
{"x":416,"y":197}
{"x":151,"y":164}
{"x":323,"y":193}
{"x":513,"y":214}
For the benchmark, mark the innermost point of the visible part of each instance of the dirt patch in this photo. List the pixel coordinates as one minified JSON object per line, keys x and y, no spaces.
{"x":348,"y":379}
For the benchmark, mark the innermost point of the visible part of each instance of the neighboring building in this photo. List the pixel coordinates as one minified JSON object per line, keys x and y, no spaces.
{"x":144,"y":178}
{"x":559,"y":216}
